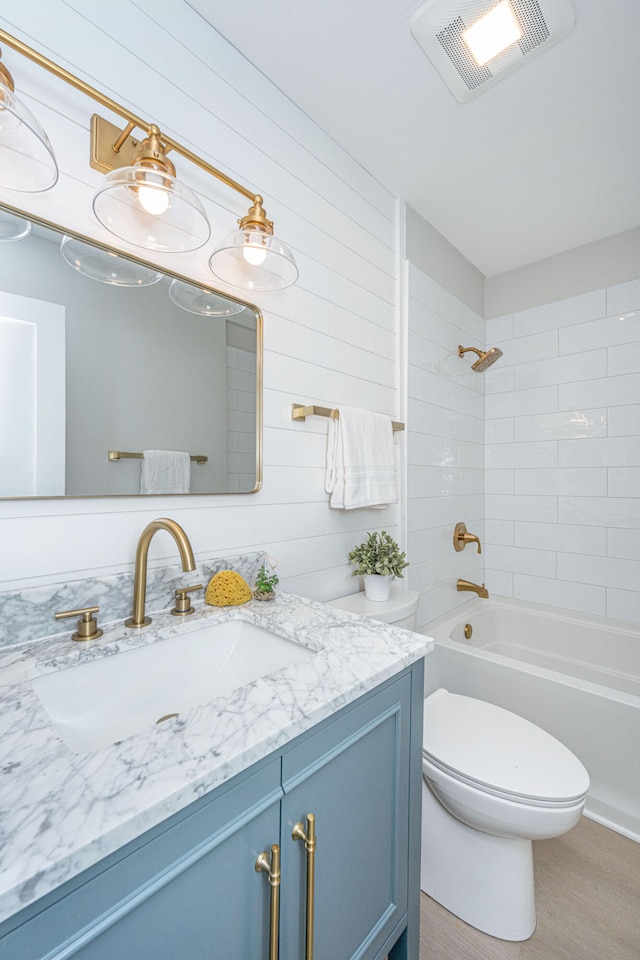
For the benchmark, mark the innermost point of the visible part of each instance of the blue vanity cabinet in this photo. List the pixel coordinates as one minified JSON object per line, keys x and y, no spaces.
{"x":353,"y":776}
{"x":188,"y":889}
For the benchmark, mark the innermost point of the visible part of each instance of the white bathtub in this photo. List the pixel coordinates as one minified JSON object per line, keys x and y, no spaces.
{"x":576,"y":676}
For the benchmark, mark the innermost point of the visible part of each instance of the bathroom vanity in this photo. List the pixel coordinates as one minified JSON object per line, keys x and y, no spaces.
{"x":158,"y":855}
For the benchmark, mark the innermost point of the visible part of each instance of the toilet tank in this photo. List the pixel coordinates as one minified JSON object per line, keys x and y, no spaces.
{"x":400,"y":609}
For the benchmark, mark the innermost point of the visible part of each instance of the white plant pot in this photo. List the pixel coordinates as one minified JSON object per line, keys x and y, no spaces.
{"x":377,"y":587}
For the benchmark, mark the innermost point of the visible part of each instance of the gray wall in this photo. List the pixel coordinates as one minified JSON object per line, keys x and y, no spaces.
{"x":435,"y":256}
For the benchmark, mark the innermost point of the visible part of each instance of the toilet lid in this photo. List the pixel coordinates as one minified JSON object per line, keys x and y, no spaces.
{"x":484,"y":744}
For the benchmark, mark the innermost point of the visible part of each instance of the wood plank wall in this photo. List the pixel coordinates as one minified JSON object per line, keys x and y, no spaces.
{"x":331,"y":339}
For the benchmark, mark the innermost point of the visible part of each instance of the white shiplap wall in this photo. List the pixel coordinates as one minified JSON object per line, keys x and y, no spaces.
{"x":331,"y":339}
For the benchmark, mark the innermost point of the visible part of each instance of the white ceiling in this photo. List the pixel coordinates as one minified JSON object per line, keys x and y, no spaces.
{"x":546,"y":160}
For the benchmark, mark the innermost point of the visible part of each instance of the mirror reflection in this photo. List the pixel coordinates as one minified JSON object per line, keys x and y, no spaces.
{"x":103,"y":358}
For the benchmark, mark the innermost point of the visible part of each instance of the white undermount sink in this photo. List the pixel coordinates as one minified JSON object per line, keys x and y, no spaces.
{"x":97,"y":703}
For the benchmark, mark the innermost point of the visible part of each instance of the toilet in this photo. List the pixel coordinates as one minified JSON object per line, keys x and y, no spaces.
{"x":400,"y":609}
{"x":492,"y":783}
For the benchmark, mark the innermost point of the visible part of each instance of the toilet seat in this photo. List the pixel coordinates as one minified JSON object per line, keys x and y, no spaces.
{"x":500,"y":753}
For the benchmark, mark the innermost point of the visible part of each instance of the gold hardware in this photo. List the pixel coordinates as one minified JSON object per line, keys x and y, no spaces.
{"x":468,"y":631}
{"x":463,"y":585}
{"x":111,"y":147}
{"x":166,"y":716}
{"x":300,"y":412}
{"x":256,"y":218}
{"x":461,"y":538}
{"x":5,"y":76}
{"x":138,"y":619}
{"x":485,"y":359}
{"x":272,"y":869}
{"x":309,"y":838}
{"x":183,"y":603}
{"x":120,"y":455}
{"x":87,"y":624}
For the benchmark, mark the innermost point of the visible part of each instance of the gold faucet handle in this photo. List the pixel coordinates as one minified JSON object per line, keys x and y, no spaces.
{"x":183,"y":602}
{"x":461,"y":538}
{"x":87,"y":624}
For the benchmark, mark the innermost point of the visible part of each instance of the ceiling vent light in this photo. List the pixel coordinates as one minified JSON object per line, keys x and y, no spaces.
{"x":475,"y":43}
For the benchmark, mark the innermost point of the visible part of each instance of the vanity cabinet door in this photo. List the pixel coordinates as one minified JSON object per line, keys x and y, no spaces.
{"x":353,"y":775}
{"x":191,"y":892}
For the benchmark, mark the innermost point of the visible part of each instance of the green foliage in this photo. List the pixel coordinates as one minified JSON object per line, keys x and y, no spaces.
{"x":265,"y":581}
{"x":378,"y":554}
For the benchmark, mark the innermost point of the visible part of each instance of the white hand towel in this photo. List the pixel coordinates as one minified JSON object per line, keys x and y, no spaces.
{"x":165,"y":471}
{"x":361,"y":468}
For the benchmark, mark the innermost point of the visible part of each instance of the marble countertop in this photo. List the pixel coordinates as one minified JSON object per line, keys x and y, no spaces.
{"x":61,"y":811}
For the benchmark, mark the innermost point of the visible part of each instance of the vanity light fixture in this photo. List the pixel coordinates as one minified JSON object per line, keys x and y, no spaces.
{"x":142,"y":202}
{"x":106,"y":266}
{"x":145,"y":203}
{"x":252,"y":257}
{"x":27,"y":159}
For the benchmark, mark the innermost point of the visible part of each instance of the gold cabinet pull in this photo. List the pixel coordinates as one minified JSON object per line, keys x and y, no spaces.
{"x":272,"y":869}
{"x":309,"y":837}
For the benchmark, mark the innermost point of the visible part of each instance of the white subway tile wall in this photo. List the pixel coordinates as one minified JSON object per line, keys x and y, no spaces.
{"x":562,"y":454}
{"x":445,"y":476}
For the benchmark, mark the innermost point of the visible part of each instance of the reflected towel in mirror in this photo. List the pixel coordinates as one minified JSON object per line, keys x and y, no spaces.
{"x":165,"y":471}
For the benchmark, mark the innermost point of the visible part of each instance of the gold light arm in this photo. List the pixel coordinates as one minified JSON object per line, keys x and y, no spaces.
{"x":309,"y":838}
{"x":272,"y":869}
{"x":132,"y":119}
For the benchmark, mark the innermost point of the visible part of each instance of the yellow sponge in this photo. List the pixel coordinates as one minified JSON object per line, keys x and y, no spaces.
{"x":227,"y":589}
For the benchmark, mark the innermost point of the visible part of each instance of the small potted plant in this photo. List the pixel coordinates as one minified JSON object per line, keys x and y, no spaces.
{"x":379,"y":560}
{"x":264,"y":587}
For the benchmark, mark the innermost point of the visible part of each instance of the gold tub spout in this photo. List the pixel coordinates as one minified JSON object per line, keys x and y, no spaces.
{"x":473,"y":587}
{"x":140,"y":576}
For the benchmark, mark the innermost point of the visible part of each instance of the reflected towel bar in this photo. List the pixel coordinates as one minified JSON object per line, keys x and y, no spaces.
{"x":300,"y":412}
{"x":120,"y":455}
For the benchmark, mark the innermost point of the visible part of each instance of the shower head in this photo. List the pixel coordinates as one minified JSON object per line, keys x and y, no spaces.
{"x":484,"y":359}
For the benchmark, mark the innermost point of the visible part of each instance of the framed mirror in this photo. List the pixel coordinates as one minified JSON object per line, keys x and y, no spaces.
{"x":102,"y":358}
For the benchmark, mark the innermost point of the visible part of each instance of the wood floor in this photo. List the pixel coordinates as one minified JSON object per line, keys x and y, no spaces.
{"x":587,"y":902}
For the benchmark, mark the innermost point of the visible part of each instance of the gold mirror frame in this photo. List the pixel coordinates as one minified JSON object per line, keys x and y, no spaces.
{"x":64,"y":231}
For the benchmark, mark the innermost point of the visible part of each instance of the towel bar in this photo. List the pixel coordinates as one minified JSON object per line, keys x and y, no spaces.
{"x":120,"y":455}
{"x":300,"y":412}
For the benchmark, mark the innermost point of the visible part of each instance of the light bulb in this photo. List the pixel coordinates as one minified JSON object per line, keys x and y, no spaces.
{"x":153,"y":200}
{"x":254,"y":254}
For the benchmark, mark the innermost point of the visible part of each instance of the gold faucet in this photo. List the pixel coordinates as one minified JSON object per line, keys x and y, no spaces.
{"x":140,"y":576}
{"x":473,"y":587}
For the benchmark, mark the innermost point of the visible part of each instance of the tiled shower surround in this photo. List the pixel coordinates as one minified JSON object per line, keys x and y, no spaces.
{"x":558,"y":504}
{"x":562,"y":455}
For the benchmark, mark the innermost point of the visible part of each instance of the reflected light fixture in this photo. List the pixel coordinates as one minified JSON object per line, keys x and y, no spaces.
{"x":13,"y":228}
{"x":203,"y":302}
{"x":27,"y":160}
{"x":141,"y":200}
{"x":252,"y":257}
{"x":492,"y":33}
{"x":106,"y":266}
